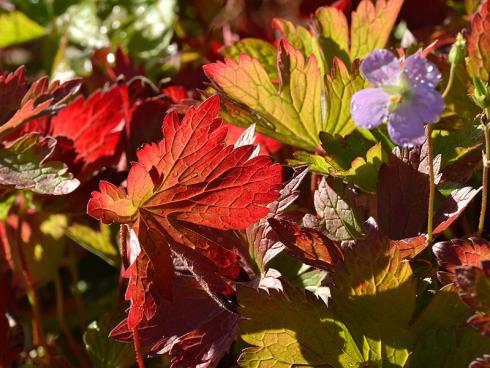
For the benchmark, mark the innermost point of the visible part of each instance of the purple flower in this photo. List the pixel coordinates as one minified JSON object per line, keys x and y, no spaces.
{"x":404,"y":96}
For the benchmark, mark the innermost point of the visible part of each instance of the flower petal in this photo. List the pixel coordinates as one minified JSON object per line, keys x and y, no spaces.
{"x":369,"y":107}
{"x":421,"y":71}
{"x":381,"y":67}
{"x":405,"y":127}
{"x":427,"y":103}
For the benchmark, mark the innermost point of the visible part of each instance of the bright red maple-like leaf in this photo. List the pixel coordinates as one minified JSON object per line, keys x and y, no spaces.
{"x":186,"y":183}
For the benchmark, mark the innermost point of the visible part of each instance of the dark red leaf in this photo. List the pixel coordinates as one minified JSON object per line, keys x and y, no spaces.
{"x":458,"y":252}
{"x":195,"y":330}
{"x":402,"y":190}
{"x":309,"y":245}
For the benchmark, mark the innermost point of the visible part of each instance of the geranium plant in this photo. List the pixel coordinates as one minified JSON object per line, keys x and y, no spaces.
{"x":289,"y":190}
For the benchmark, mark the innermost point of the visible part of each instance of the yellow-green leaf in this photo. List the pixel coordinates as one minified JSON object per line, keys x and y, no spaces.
{"x":256,"y":48}
{"x":292,"y":110}
{"x":101,"y":243}
{"x":292,"y":330}
{"x":371,"y":26}
{"x":16,"y":27}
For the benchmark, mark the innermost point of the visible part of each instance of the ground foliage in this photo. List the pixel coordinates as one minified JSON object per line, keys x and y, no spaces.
{"x":188,"y":187}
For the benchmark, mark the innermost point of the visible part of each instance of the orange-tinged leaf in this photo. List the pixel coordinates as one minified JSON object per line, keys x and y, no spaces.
{"x":479,"y":46}
{"x":22,"y":102}
{"x":309,"y":245}
{"x":183,"y":187}
{"x":291,"y":112}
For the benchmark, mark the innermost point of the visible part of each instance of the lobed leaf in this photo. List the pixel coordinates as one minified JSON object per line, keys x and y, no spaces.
{"x":374,"y":295}
{"x":293,"y":110}
{"x":24,"y":165}
{"x":178,"y":191}
{"x":459,"y":252}
{"x":371,"y":26}
{"x":292,"y":329}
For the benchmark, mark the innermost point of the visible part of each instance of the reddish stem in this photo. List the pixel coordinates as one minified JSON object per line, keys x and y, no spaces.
{"x":38,"y":334}
{"x":137,"y":348}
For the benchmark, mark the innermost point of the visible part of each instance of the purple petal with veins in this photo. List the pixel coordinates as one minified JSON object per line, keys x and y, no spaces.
{"x":369,"y":107}
{"x":421,"y":71}
{"x":381,"y":67}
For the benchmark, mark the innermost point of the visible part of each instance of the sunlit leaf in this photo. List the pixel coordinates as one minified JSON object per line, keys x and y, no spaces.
{"x":97,"y":242}
{"x":17,"y":28}
{"x":292,"y":329}
{"x":25,"y":164}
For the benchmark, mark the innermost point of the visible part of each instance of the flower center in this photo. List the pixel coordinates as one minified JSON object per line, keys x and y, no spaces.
{"x":400,"y":93}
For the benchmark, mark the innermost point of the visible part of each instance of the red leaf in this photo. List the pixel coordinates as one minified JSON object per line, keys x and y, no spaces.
{"x":447,"y":213}
{"x":452,"y":207}
{"x":474,"y":284}
{"x":22,"y":102}
{"x":188,"y":181}
{"x":193,"y":337}
{"x":266,"y":244}
{"x":95,"y":125}
{"x":309,"y":245}
{"x":402,"y":189}
{"x":458,"y":252}
{"x":479,"y":45}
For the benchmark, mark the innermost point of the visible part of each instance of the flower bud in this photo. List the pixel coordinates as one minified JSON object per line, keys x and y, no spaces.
{"x":481,"y":93}
{"x":457,"y":53}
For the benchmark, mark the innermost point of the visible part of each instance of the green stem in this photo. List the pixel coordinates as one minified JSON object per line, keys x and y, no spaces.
{"x":432,"y":186}
{"x":486,"y":163}
{"x":450,"y":81}
{"x":430,"y":153}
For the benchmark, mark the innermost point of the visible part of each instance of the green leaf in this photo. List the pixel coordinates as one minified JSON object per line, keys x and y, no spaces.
{"x":24,"y":165}
{"x":374,"y":295}
{"x":371,"y":26}
{"x":362,"y":172}
{"x":256,"y":48}
{"x":291,"y":330}
{"x":6,"y":201}
{"x":291,"y":112}
{"x":301,"y":39}
{"x":453,"y":145}
{"x":440,"y":335}
{"x":334,"y":34}
{"x":333,"y":203}
{"x":341,"y":86}
{"x":98,"y":242}
{"x":342,"y":151}
{"x":103,"y":351}
{"x":17,"y":28}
